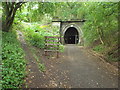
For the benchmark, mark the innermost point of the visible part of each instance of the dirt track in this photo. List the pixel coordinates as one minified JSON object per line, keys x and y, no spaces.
{"x":75,"y":68}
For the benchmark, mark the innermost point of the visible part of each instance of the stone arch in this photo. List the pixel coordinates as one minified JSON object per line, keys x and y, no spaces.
{"x":72,"y":25}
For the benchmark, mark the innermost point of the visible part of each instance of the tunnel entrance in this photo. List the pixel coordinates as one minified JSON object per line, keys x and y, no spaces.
{"x":71,"y":36}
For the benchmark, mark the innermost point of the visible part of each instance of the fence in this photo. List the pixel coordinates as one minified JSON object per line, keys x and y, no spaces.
{"x":52,"y":44}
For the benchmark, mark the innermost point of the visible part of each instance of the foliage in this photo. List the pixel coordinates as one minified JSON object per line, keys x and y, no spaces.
{"x":100,"y":26}
{"x":36,"y":40}
{"x":38,"y":11}
{"x":113,"y":57}
{"x":68,"y":11}
{"x":101,"y":21}
{"x":13,"y":62}
{"x":35,"y":36}
{"x":0,"y":9}
{"x":17,"y":26}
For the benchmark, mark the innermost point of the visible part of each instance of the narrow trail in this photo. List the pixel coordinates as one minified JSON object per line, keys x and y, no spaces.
{"x":76,"y":68}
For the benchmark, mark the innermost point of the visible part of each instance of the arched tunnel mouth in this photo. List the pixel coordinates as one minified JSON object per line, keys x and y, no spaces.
{"x":71,"y":36}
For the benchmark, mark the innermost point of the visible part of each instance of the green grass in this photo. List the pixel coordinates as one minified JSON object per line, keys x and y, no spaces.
{"x":13,"y":62}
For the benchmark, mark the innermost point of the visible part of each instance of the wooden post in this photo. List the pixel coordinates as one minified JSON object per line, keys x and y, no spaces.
{"x":45,"y":46}
{"x":58,"y":47}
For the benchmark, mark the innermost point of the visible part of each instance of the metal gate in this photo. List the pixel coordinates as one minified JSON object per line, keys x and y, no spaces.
{"x":71,"y":39}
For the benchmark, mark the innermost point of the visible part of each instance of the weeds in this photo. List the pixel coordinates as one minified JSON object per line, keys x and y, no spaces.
{"x":41,"y":66}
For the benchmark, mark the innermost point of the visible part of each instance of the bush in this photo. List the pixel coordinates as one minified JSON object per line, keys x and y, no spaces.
{"x":13,"y":62}
{"x":35,"y":35}
{"x":36,"y":40}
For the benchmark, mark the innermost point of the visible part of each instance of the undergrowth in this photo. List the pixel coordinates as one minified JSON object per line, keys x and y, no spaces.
{"x":13,"y":62}
{"x":111,"y":53}
{"x":99,"y":48}
{"x":35,"y":35}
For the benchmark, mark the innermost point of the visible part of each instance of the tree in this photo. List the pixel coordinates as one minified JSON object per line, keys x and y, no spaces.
{"x":62,"y":10}
{"x":101,"y":23}
{"x":39,"y":10}
{"x":9,"y":10}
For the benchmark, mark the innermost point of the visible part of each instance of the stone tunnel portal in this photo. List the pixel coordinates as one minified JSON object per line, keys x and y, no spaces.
{"x":71,"y":36}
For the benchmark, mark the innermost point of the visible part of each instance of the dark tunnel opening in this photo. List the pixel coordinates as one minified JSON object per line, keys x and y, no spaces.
{"x":71,"y":36}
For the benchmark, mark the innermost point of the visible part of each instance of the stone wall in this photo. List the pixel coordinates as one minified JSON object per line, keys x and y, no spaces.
{"x":66,"y":25}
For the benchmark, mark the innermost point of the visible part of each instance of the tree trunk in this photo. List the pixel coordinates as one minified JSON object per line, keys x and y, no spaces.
{"x":100,"y":36}
{"x":10,"y":11}
{"x":8,"y":23}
